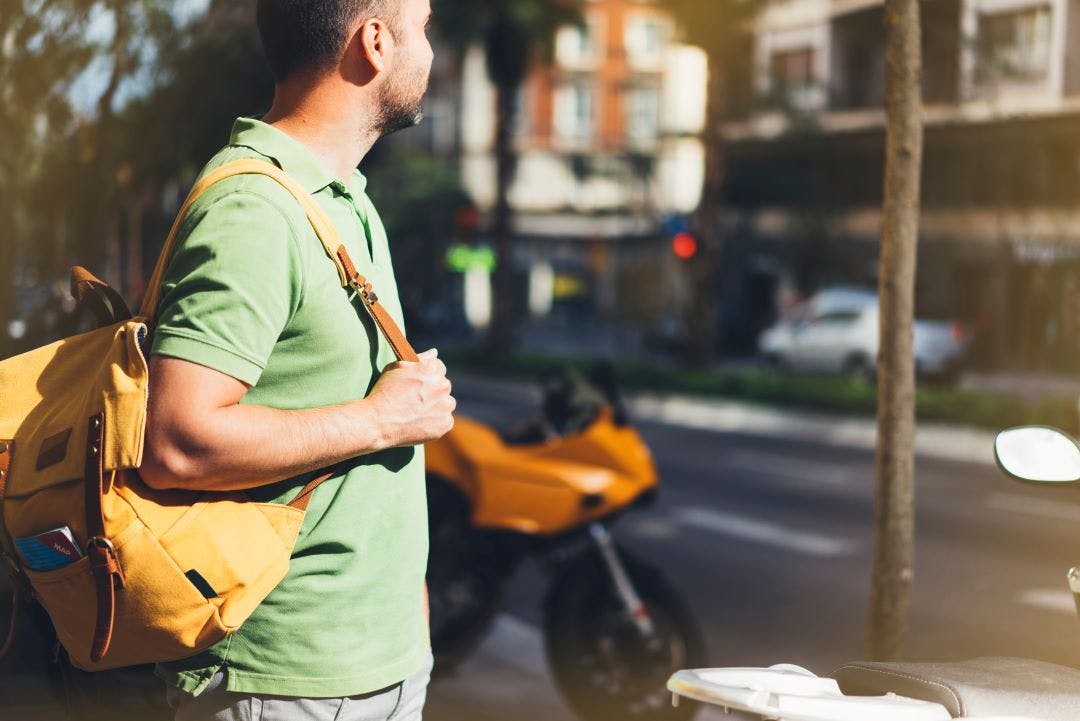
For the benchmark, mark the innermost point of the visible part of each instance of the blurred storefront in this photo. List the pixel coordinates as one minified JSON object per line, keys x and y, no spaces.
{"x":1000,"y":239}
{"x":608,"y":146}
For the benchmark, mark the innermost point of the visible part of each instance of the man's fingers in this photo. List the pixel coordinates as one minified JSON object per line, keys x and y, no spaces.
{"x":433,"y":353}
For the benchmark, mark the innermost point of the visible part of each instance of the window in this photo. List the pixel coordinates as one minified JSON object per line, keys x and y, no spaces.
{"x":838,"y":317}
{"x":579,"y":45}
{"x":1015,"y":44}
{"x":574,"y":110}
{"x":643,"y":114}
{"x":791,"y":71}
{"x":645,"y":37}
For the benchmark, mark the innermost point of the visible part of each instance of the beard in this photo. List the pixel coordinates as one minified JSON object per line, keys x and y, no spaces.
{"x":402,"y":99}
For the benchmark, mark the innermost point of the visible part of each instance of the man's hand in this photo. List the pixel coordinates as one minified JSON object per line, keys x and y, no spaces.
{"x":413,"y":401}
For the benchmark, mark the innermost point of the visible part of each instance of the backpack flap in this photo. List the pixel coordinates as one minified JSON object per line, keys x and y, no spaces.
{"x":49,"y":395}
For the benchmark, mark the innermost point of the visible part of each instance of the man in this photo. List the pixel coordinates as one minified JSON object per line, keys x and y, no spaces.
{"x":263,"y":372}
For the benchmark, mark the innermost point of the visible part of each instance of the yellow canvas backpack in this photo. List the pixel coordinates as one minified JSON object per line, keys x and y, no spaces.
{"x":162,"y":574}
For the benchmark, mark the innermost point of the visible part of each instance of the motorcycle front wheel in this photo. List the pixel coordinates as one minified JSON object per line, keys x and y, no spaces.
{"x":601,"y":663}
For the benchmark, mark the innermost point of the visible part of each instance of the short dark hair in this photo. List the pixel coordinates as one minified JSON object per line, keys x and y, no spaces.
{"x":310,"y":35}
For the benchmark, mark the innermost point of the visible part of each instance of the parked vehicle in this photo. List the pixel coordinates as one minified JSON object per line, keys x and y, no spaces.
{"x":984,"y":689}
{"x":613,"y":628}
{"x":837,"y":331}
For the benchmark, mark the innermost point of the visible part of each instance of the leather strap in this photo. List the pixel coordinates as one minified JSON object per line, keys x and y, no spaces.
{"x":104,"y":563}
{"x":303,"y":498}
{"x":7,"y":448}
{"x":324,"y":229}
{"x":390,"y":330}
{"x":107,"y":305}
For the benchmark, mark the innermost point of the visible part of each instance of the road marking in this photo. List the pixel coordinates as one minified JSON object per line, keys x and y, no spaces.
{"x":656,"y":529}
{"x":1031,"y":506}
{"x":765,"y":533}
{"x":807,"y":472}
{"x":932,"y":440}
{"x":1048,"y":599}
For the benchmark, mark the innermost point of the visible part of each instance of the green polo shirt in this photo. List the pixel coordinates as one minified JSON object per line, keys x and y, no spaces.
{"x":250,"y":292}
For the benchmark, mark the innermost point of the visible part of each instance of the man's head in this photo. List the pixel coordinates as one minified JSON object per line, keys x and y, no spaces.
{"x":378,"y":43}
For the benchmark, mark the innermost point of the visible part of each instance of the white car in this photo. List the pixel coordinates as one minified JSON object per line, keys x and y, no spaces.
{"x":836,"y":331}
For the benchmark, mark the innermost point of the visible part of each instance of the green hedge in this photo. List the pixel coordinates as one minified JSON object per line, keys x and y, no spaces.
{"x":838,"y":395}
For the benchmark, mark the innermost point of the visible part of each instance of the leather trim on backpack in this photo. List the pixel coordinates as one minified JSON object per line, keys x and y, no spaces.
{"x":104,"y":564}
{"x":7,"y":448}
{"x":54,"y":449}
{"x":7,"y":551}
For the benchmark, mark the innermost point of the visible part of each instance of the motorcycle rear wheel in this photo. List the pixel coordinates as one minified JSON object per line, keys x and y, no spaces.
{"x":600,"y":662}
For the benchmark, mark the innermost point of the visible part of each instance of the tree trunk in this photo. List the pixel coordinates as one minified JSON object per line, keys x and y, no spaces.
{"x":704,"y":269}
{"x":895,"y":506}
{"x":501,"y":332}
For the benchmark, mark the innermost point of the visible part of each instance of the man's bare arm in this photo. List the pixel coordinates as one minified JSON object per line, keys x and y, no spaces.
{"x":200,"y":437}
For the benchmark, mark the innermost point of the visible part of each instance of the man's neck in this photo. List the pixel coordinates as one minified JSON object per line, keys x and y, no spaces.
{"x":338,"y":138}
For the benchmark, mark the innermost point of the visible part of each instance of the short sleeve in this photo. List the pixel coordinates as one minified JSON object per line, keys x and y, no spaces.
{"x":231,"y":287}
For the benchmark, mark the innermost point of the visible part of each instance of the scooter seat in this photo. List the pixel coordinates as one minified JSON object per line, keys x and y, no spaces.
{"x":980,"y":687}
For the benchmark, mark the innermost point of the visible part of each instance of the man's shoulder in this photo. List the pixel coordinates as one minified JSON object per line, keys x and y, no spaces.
{"x":252,"y":187}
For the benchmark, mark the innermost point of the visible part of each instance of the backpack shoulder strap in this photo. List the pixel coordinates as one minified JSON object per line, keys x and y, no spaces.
{"x":324,"y":229}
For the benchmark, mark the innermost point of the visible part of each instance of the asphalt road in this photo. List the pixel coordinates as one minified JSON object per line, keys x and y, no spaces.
{"x":770,"y":540}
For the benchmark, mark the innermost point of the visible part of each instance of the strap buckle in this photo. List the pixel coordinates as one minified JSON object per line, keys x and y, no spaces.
{"x":100,"y":542}
{"x":363,"y":291}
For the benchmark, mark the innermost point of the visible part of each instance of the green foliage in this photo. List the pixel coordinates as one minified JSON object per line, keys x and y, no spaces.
{"x":74,"y":182}
{"x":217,"y":74}
{"x":55,"y":176}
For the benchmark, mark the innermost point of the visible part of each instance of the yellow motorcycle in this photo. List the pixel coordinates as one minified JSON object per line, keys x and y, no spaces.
{"x":614,"y":630}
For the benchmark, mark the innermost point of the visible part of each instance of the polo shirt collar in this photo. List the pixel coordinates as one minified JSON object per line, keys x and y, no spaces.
{"x":290,"y":154}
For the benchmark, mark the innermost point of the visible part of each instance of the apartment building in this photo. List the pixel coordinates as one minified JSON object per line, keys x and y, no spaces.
{"x":1000,"y":241}
{"x":609,"y":145}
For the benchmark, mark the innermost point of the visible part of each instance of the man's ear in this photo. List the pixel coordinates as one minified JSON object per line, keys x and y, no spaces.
{"x":374,"y":43}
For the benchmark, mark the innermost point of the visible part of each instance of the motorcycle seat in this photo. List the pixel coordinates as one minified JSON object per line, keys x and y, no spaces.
{"x":980,"y":687}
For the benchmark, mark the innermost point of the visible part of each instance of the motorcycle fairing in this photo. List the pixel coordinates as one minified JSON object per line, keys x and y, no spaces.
{"x":548,"y":488}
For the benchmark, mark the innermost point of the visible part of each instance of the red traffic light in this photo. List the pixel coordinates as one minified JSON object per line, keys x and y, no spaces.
{"x":685,"y":246}
{"x":467,"y":218}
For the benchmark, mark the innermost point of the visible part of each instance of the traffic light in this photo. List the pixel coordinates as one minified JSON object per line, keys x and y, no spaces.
{"x":685,"y":246}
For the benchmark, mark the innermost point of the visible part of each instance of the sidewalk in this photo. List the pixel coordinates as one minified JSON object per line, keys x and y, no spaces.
{"x":1029,"y":386}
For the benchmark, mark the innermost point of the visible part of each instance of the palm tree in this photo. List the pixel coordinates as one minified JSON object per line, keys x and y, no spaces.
{"x":515,"y":35}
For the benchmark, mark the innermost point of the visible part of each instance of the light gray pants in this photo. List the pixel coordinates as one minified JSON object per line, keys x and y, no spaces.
{"x":403,"y":702}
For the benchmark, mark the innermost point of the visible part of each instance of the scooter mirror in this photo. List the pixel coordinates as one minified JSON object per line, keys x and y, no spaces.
{"x":1037,"y":454}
